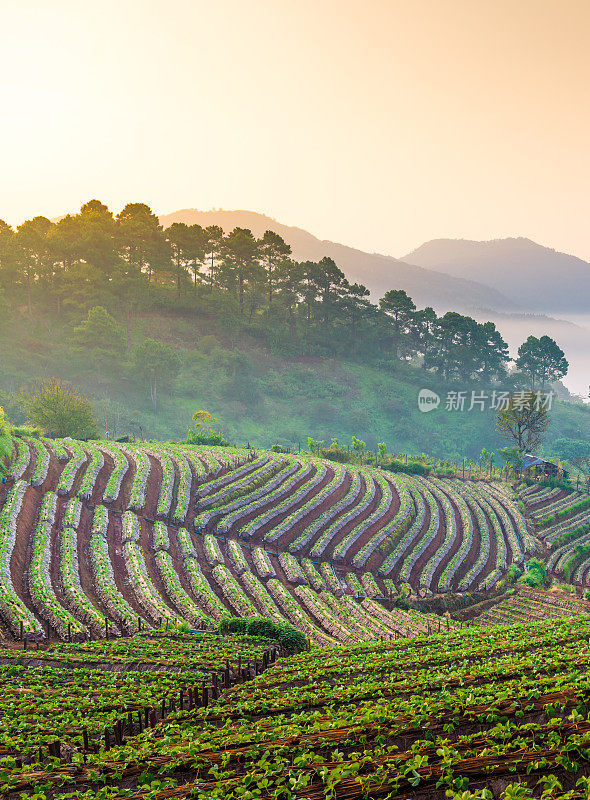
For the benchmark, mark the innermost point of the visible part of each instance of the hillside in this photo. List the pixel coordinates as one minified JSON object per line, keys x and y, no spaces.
{"x":133,"y":555}
{"x":536,"y":278}
{"x":378,"y":273}
{"x":497,"y":709}
{"x":163,"y":532}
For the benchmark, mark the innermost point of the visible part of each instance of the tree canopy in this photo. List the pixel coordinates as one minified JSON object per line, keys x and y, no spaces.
{"x":60,"y":411}
{"x":104,"y":267}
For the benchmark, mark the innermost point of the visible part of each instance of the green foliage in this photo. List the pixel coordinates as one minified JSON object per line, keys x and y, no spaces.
{"x":575,"y":534}
{"x":158,"y":364}
{"x":281,"y":348}
{"x":60,"y":411}
{"x":535,"y":574}
{"x":100,"y":338}
{"x":290,"y":638}
{"x":4,"y":311}
{"x":203,"y":432}
{"x":542,"y":360}
{"x":580,"y":551}
{"x":512,"y":457}
{"x":512,"y":575}
{"x":411,"y":468}
{"x":5,"y":443}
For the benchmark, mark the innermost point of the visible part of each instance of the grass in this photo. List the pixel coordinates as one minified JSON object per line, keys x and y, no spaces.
{"x":258,"y":396}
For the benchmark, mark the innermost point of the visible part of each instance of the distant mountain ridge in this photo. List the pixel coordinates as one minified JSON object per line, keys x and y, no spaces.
{"x":379,"y":273}
{"x":536,"y":278}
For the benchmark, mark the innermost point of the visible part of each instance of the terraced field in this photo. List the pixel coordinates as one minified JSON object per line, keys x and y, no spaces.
{"x":485,"y":713}
{"x":562,"y":522}
{"x":100,"y":538}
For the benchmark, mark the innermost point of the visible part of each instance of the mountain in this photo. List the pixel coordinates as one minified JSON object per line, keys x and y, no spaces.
{"x":378,"y":273}
{"x":536,"y":278}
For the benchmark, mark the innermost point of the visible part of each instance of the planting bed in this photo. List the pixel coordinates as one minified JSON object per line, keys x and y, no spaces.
{"x":103,"y":536}
{"x":472,"y":714}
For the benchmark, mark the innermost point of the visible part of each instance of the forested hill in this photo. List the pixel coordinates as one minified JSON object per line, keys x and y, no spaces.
{"x":377,"y":272}
{"x":153,"y":324}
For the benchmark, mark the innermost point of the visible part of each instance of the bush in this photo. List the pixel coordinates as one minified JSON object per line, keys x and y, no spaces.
{"x":60,"y":411}
{"x":288,"y":637}
{"x":411,"y":468}
{"x":5,"y":443}
{"x":535,"y":574}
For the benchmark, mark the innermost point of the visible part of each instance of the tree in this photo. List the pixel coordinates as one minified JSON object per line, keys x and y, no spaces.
{"x":144,"y":246}
{"x":241,"y":251}
{"x":399,"y":308}
{"x":524,"y":421}
{"x":4,"y":311}
{"x":158,"y":364}
{"x":359,"y":447}
{"x":177,"y":236}
{"x":98,"y":241}
{"x":576,"y":451}
{"x":31,"y":239}
{"x":273,"y":251}
{"x":463,"y":349}
{"x":512,"y":456}
{"x":204,"y":432}
{"x":8,"y":262}
{"x":60,"y":411}
{"x":68,"y":273}
{"x":290,"y":276}
{"x":188,"y":250}
{"x":541,"y":360}
{"x":100,"y":338}
{"x":212,"y":244}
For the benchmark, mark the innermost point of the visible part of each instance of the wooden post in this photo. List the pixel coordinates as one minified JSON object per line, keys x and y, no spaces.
{"x":85,"y":737}
{"x":181,"y":700}
{"x":106,"y":629}
{"x":20,"y":627}
{"x":163,"y":708}
{"x":153,"y":718}
{"x":130,"y":723}
{"x":205,"y":696}
{"x":139,"y":624}
{"x":140,"y":721}
{"x":107,"y":739}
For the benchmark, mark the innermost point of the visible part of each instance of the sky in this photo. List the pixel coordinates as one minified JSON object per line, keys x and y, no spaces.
{"x":378,"y":123}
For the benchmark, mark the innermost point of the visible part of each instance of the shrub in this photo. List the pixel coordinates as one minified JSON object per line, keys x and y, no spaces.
{"x":60,"y":411}
{"x":535,"y":574}
{"x":288,"y":637}
{"x":411,"y":468}
{"x":5,"y":443}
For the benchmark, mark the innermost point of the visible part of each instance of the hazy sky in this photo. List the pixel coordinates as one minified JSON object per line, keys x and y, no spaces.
{"x":380,"y":123}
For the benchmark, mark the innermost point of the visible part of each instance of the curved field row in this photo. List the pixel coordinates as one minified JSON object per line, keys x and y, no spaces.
{"x":113,"y":538}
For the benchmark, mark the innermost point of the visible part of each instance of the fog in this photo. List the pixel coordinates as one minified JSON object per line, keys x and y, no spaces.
{"x":571,"y":334}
